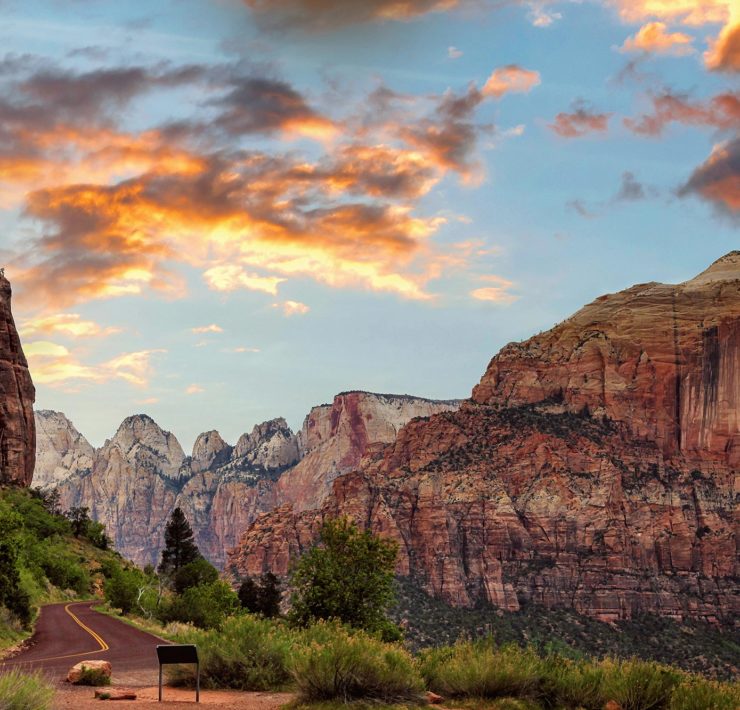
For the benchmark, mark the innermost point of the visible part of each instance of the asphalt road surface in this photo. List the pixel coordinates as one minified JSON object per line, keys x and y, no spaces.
{"x":69,"y":633}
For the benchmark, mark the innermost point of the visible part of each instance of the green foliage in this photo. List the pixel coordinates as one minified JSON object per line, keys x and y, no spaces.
{"x":194,"y":574}
{"x":179,"y":545}
{"x":349,"y":576}
{"x":206,"y":606}
{"x":248,"y":653}
{"x":122,"y":588}
{"x":479,"y":669}
{"x":335,"y":663}
{"x":22,"y":691}
{"x":261,"y":597}
{"x":93,"y":677}
{"x":79,"y":519}
{"x":694,"y":693}
{"x":639,"y":685}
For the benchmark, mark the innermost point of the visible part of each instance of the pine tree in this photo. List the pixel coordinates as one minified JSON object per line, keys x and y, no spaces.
{"x":179,"y":546}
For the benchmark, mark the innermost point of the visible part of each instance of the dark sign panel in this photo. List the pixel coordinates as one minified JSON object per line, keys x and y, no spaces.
{"x":177,"y":654}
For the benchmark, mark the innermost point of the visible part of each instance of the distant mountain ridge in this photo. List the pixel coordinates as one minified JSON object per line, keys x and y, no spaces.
{"x":134,"y":481}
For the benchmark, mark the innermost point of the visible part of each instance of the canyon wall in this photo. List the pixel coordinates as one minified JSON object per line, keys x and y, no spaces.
{"x":595,"y":467}
{"x":17,"y":395}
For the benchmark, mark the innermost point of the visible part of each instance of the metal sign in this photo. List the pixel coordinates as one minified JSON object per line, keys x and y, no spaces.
{"x":176,"y":654}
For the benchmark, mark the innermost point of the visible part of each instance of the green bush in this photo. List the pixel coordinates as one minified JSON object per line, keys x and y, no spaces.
{"x":194,"y":574}
{"x":248,"y":653}
{"x":93,"y":677}
{"x":63,"y":571}
{"x":335,"y":663}
{"x":694,"y":693}
{"x":122,"y":587}
{"x":21,"y":691}
{"x":481,"y":670}
{"x":572,"y":684}
{"x":206,"y":606}
{"x":639,"y":685}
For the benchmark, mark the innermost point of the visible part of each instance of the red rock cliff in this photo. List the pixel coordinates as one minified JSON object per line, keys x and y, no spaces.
{"x":17,"y":395}
{"x":594,"y":468}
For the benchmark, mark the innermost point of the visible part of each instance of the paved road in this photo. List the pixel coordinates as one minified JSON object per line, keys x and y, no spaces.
{"x":69,"y":633}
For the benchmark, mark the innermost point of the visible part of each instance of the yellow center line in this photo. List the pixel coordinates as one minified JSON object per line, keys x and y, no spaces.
{"x":103,"y":646}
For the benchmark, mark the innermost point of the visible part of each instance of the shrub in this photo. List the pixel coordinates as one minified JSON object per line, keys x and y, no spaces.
{"x":122,"y":588}
{"x":348,"y":576}
{"x":248,"y":653}
{"x":338,"y":664}
{"x":205,"y":606}
{"x":481,"y":670}
{"x":696,"y":692}
{"x":571,"y":684}
{"x":93,"y":676}
{"x":261,"y":597}
{"x":20,"y":691}
{"x":194,"y":574}
{"x":639,"y":685}
{"x":63,"y":571}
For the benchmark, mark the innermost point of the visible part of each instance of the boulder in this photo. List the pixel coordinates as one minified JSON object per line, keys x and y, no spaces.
{"x":76,"y":672}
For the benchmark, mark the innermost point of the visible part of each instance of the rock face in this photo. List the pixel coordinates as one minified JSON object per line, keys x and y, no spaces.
{"x":17,"y":395}
{"x":137,"y":478}
{"x":61,"y":450}
{"x":595,"y":467}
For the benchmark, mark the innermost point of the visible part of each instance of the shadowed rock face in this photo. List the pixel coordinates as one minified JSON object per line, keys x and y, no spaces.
{"x":138,"y":477}
{"x":595,"y":467}
{"x":17,"y":395}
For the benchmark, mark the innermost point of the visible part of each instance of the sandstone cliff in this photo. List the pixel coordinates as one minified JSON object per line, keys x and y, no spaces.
{"x":595,"y":467}
{"x":138,"y":477}
{"x":17,"y":395}
{"x":61,"y":450}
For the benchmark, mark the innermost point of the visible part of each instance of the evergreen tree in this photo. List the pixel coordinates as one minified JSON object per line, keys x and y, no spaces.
{"x":80,"y":520}
{"x":261,"y":597}
{"x":179,"y":546}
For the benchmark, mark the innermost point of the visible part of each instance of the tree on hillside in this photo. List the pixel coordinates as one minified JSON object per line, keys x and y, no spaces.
{"x":261,"y":597}
{"x":179,"y":546}
{"x":79,"y":518}
{"x":348,"y":576}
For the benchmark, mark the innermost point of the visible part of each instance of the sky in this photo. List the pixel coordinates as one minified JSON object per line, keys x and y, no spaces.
{"x":218,"y":212}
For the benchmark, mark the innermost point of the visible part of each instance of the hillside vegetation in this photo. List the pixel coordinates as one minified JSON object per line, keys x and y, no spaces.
{"x":45,"y":556}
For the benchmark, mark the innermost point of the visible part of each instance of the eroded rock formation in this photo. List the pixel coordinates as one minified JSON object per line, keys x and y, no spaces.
{"x":17,"y":395}
{"x":595,"y":467}
{"x":138,"y":477}
{"x":61,"y":450}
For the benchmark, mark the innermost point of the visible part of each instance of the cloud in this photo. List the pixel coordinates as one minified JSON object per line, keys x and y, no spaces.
{"x":654,"y":38}
{"x":70,"y":324}
{"x":242,"y":349}
{"x":212,"y":328}
{"x":194,"y":389}
{"x":148,"y":400}
{"x":581,"y":121}
{"x":630,"y":190}
{"x":292,"y":308}
{"x":329,"y":14}
{"x":717,"y":180}
{"x":540,"y":16}
{"x":724,"y":50}
{"x":454,"y":53}
{"x":55,"y":365}
{"x":721,"y":112}
{"x":498,"y":293}
{"x":230,"y":277}
{"x":580,"y":208}
{"x":510,"y":79}
{"x":260,"y":105}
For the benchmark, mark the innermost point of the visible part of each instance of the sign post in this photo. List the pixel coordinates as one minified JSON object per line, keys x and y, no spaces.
{"x":175,"y":655}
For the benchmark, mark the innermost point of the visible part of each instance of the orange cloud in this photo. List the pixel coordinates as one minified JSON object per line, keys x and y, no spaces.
{"x":194,"y":389}
{"x":724,"y":50}
{"x":328,"y":14}
{"x":292,"y":308}
{"x":653,"y":37}
{"x":510,"y":79}
{"x":718,"y":179}
{"x":55,"y":365}
{"x":498,"y":293}
{"x":70,"y":324}
{"x":722,"y":112}
{"x":212,"y":328}
{"x":580,"y":122}
{"x":230,"y":277}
